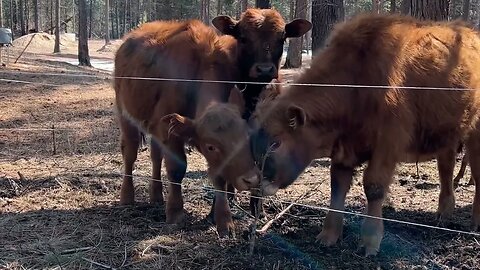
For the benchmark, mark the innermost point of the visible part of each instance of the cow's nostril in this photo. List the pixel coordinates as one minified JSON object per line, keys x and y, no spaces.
{"x":265,"y":69}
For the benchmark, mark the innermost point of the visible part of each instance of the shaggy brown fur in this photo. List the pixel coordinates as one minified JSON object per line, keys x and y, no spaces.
{"x":178,"y":112}
{"x":381,"y":126}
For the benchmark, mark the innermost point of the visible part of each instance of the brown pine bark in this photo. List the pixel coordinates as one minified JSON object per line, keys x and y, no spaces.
{"x":325,"y":13}
{"x":436,"y":10}
{"x":83,"y":55}
{"x":294,"y":53}
{"x":56,"y":49}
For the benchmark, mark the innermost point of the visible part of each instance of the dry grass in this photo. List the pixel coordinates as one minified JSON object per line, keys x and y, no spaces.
{"x":63,"y":212}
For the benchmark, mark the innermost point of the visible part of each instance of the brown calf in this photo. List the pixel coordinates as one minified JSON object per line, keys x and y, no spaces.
{"x":382,"y":126}
{"x":175,"y":113}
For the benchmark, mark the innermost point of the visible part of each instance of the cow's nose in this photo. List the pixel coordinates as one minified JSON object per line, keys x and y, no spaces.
{"x":251,"y":180}
{"x":265,"y":70}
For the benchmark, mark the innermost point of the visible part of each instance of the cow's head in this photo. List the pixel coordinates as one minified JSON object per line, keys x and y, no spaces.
{"x":221,"y":135}
{"x":285,"y":140}
{"x":261,"y":34}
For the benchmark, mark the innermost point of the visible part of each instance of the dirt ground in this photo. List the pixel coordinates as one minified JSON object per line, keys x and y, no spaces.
{"x":59,"y":195}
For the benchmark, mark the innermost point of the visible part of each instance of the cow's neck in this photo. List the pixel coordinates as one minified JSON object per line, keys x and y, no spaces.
{"x":250,"y":95}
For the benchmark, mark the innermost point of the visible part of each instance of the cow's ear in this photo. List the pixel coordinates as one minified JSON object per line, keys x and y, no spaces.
{"x":236,"y":98}
{"x":296,"y":117}
{"x":297,"y":28}
{"x":225,"y":24}
{"x":180,"y":126}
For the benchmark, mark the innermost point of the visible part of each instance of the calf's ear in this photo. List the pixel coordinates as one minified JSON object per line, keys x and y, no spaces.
{"x":297,"y":28}
{"x":225,"y":24}
{"x":296,"y":117}
{"x":236,"y":98}
{"x":179,"y":126}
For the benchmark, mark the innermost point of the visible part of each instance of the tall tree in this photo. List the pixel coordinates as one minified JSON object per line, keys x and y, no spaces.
{"x":375,"y":8}
{"x":36,"y":15}
{"x":393,"y":6}
{"x":57,"y":27}
{"x":1,"y":13}
{"x":263,"y":4}
{"x":294,"y":53}
{"x":466,"y":10}
{"x":325,"y":13}
{"x":107,"y":17}
{"x":478,"y":14}
{"x":21,"y":12}
{"x":436,"y":10}
{"x":83,"y":56}
{"x":244,"y":5}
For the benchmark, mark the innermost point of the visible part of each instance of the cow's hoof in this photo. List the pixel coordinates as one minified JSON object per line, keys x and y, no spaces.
{"x":328,"y":237}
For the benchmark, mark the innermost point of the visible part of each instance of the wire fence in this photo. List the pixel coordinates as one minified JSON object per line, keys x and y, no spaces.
{"x":298,"y":204}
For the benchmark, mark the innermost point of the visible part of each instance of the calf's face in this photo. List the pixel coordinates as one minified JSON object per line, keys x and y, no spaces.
{"x":221,"y":135}
{"x":261,"y":34}
{"x":284,"y":143}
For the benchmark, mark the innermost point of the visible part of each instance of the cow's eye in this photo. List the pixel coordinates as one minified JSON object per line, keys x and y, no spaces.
{"x":275,"y":145}
{"x":211,"y":148}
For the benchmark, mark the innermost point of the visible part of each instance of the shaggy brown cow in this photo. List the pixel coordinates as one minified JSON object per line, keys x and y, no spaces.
{"x":382,"y":126}
{"x":166,"y":109}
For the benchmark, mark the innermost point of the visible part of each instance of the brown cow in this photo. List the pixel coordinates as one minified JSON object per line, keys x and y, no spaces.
{"x":461,"y":172}
{"x":382,"y":126}
{"x":175,"y":113}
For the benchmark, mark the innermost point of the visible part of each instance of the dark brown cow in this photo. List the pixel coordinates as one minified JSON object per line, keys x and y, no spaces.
{"x":261,"y":34}
{"x":178,"y":112}
{"x":382,"y":126}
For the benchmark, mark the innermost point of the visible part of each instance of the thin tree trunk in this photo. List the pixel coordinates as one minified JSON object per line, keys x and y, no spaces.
{"x":244,"y":4}
{"x":1,"y":13}
{"x":124,"y":18}
{"x":51,"y":17}
{"x":117,"y":20}
{"x":466,"y":10}
{"x":375,"y":6}
{"x":219,"y":7}
{"x":36,"y":16}
{"x":12,"y":11}
{"x":83,"y":56}
{"x":27,"y":17}
{"x":107,"y":17}
{"x":325,"y":13}
{"x":57,"y":27}
{"x":90,"y":16}
{"x":292,"y":9}
{"x":478,"y":15}
{"x":393,"y":6}
{"x":21,"y":12}
{"x":294,"y":53}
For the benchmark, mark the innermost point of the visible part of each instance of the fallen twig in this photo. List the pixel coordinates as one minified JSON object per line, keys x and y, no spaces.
{"x":75,"y":250}
{"x":97,"y":263}
{"x":279,"y":215}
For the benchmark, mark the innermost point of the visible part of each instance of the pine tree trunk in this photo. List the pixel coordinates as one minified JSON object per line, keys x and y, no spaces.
{"x":83,"y":56}
{"x":57,"y":27}
{"x":51,"y":17}
{"x":36,"y":15}
{"x":21,"y":12}
{"x":375,"y":6}
{"x":117,"y":20}
{"x":294,"y":53}
{"x":393,"y":6}
{"x":262,"y":4}
{"x":436,"y":10}
{"x":325,"y":13}
{"x":244,"y":5}
{"x":466,"y":10}
{"x":107,"y":18}
{"x":90,"y":16}
{"x":219,"y":7}
{"x":1,"y":13}
{"x":12,"y":12}
{"x":478,"y":15}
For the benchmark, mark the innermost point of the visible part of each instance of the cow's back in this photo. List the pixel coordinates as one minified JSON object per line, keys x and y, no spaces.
{"x":388,"y":50}
{"x":164,"y":50}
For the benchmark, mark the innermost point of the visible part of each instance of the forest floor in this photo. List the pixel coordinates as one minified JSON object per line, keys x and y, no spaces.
{"x":59,"y":194}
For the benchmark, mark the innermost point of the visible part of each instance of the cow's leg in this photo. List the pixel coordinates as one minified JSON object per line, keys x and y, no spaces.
{"x":156,"y":187}
{"x":376,"y":180}
{"x":222,"y":215}
{"x":129,"y":142}
{"x":473,"y":146}
{"x":341,"y":179}
{"x":461,"y":172}
{"x":176,"y":166}
{"x":230,"y":196}
{"x":446,"y":201}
